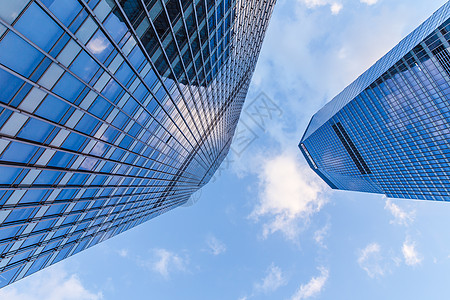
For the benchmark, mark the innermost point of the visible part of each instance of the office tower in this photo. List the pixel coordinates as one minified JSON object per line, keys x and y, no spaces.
{"x":388,"y":132}
{"x":113,"y":112}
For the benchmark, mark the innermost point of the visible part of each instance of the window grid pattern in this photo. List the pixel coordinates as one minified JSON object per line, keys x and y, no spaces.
{"x":112,"y":113}
{"x":400,"y":126}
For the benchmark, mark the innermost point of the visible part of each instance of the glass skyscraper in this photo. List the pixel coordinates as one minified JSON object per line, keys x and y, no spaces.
{"x":113,"y":112}
{"x":388,"y":132}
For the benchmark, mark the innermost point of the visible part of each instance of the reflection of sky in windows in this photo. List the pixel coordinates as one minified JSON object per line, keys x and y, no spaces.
{"x":101,"y":131}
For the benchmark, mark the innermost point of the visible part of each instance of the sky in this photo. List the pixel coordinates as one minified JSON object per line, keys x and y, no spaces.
{"x":267,"y":227}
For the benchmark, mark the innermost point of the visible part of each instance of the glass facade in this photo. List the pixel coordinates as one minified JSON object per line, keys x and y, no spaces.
{"x":113,"y":112}
{"x":388,"y":131}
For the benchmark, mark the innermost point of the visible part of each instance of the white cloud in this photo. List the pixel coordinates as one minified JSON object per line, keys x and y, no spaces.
{"x":272,"y":281}
{"x":123,"y":252}
{"x":165,"y":262}
{"x":335,"y":7}
{"x":376,"y":263}
{"x":369,"y":2}
{"x":53,"y":283}
{"x":313,"y":287}
{"x":401,"y":216}
{"x":412,"y":257}
{"x":290,"y":193}
{"x":319,"y":235}
{"x":216,"y":246}
{"x":371,"y":260}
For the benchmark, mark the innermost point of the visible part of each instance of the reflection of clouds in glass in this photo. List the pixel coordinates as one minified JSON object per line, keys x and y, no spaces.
{"x":89,"y":163}
{"x":97,"y":45}
{"x":144,"y":116}
{"x":98,"y":149}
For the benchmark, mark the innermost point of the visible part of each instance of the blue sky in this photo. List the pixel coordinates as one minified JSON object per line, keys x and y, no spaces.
{"x":266,"y":227}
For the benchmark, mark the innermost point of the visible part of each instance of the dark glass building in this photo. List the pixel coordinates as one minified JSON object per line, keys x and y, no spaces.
{"x":388,"y":132}
{"x":113,"y":112}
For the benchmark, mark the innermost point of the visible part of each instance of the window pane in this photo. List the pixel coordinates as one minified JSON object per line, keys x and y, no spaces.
{"x":18,"y":54}
{"x":37,"y":26}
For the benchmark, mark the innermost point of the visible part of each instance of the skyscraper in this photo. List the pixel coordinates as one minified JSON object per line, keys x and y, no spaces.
{"x":113,"y":112}
{"x":388,"y":132}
